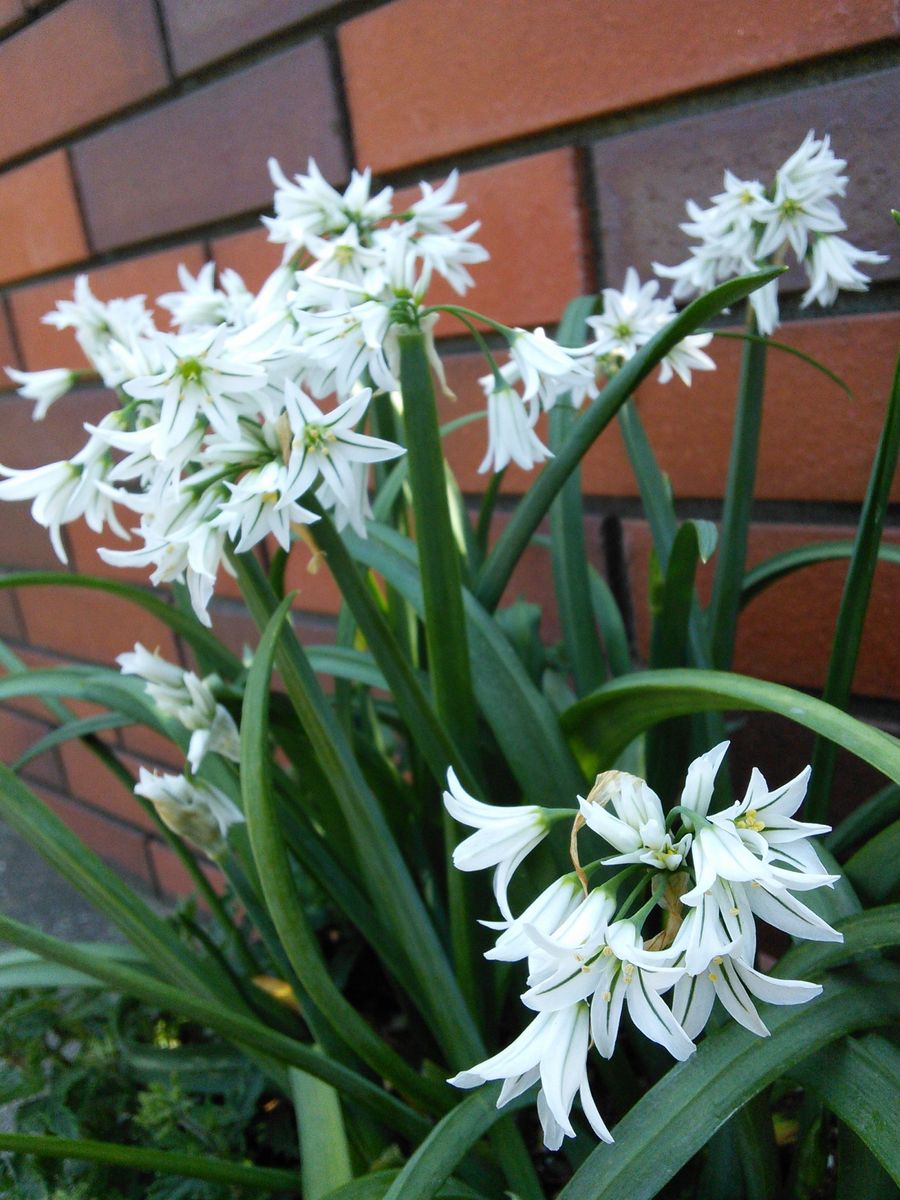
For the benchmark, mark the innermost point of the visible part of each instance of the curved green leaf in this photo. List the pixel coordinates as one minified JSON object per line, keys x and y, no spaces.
{"x":857,"y":1080}
{"x":695,"y":1098}
{"x":22,"y":969}
{"x":874,"y":870}
{"x":78,"y":728}
{"x":537,"y":500}
{"x":865,"y":933}
{"x":772,"y":569}
{"x":163,"y":1162}
{"x":280,"y":890}
{"x":602,"y":725}
{"x":185,"y":624}
{"x":786,"y":349}
{"x":376,"y":1185}
{"x":869,"y":818}
{"x":344,"y":662}
{"x":324,"y":1153}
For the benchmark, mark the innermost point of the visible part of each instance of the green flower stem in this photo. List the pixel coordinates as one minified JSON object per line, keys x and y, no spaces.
{"x":729,"y":572}
{"x":855,"y":598}
{"x":280,"y":1050}
{"x":445,"y":627}
{"x":163,"y":1162}
{"x":590,"y":424}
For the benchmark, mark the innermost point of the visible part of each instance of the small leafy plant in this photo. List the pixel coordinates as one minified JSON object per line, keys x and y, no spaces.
{"x":345,"y":963}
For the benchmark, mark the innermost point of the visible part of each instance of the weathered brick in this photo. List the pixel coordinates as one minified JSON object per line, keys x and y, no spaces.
{"x":250,"y":253}
{"x":39,"y":66}
{"x":24,"y":545}
{"x":115,"y":842}
{"x":11,"y":13}
{"x":148,"y":275}
{"x":171,"y":876}
{"x":8,"y":355}
{"x":183,"y":164}
{"x":645,"y":177}
{"x":785,"y":633}
{"x":469,"y":75}
{"x":90,"y":625}
{"x":151,"y":747}
{"x":201,"y":33}
{"x":17,"y":734}
{"x":10,"y":623}
{"x":39,"y":218}
{"x":91,"y":781}
{"x":28,"y":443}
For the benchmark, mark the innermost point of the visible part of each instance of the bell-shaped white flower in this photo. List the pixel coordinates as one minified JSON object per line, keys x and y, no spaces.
{"x":544,"y":915}
{"x":734,"y":982}
{"x":193,"y":809}
{"x":44,"y":387}
{"x":626,"y":812}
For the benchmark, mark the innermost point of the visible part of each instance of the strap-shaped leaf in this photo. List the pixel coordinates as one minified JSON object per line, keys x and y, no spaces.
{"x":536,"y":502}
{"x":324,"y":1153}
{"x":869,"y":818}
{"x":857,"y":1079}
{"x":375,"y":1187}
{"x":771,"y":570}
{"x":602,"y":725}
{"x":161,"y":1162}
{"x":22,"y":969}
{"x":690,"y":1102}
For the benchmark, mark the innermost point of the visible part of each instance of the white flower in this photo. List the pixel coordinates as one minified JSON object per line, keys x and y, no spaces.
{"x":831,"y":266}
{"x":504,"y":835}
{"x":553,"y":1049}
{"x":626,"y":812}
{"x":201,"y":304}
{"x":543,"y":915}
{"x":42,"y":386}
{"x":310,"y":205}
{"x":102,"y":327}
{"x":193,"y":809}
{"x":734,"y":982}
{"x":686,"y":356}
{"x":629,"y":319}
{"x":546,"y":369}
{"x":511,"y":421}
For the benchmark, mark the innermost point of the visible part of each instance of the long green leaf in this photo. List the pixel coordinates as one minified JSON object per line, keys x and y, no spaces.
{"x":602,"y":725}
{"x":612,"y":627}
{"x":855,"y":597}
{"x":865,"y":933}
{"x":213,"y":1015}
{"x":162,"y":1162}
{"x":384,"y":873}
{"x":866,"y":820}
{"x":696,"y":1097}
{"x":280,"y":890}
{"x":324,"y":1153}
{"x":729,"y":573}
{"x":375,"y":1187}
{"x":784,"y":348}
{"x":519,"y":715}
{"x":771,"y":570}
{"x":185,"y":624}
{"x":21,"y":969}
{"x":534,"y":506}
{"x":343,"y":662}
{"x":78,"y":728}
{"x":857,"y":1080}
{"x":451,"y":1139}
{"x":874,"y":870}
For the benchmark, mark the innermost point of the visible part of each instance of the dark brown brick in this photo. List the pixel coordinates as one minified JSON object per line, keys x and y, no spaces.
{"x":10,"y":622}
{"x":28,"y":443}
{"x":203,"y":157}
{"x":23,"y":544}
{"x":8,"y":355}
{"x":118,"y":48}
{"x":427,"y":78}
{"x":644,"y":178}
{"x":17,"y":734}
{"x":11,"y":12}
{"x":39,"y":218}
{"x":201,"y":33}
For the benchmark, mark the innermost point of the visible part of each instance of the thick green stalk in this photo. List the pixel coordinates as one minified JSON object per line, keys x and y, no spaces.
{"x":729,"y":575}
{"x":855,"y":598}
{"x":445,"y":626}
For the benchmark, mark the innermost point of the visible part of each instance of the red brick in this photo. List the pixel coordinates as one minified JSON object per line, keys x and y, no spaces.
{"x":476,"y":74}
{"x":149,"y":746}
{"x":203,"y":157}
{"x":39,"y":66}
{"x":39,"y":218}
{"x":250,"y":253}
{"x":116,"y":843}
{"x":147,"y":274}
{"x":785,"y":634}
{"x":36,"y":660}
{"x":644,"y":178}
{"x":817,"y":444}
{"x":316,"y":590}
{"x":91,"y":781}
{"x":17,"y":734}
{"x":201,"y":33}
{"x":90,"y":625}
{"x":173,"y":879}
{"x":8,"y":355}
{"x":23,"y":544}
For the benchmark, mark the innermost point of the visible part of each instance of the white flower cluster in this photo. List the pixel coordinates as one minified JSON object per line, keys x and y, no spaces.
{"x":254,"y":402}
{"x":750,"y":225}
{"x":678,"y":918}
{"x":191,"y":807}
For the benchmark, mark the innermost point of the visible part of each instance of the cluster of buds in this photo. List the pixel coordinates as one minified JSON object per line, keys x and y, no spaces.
{"x":677,"y":917}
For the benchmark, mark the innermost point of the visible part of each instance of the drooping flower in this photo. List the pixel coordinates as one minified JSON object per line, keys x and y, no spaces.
{"x":193,"y":809}
{"x":44,"y":387}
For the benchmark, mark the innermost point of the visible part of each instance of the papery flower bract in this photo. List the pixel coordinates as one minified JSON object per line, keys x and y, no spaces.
{"x":626,"y":812}
{"x":504,"y":836}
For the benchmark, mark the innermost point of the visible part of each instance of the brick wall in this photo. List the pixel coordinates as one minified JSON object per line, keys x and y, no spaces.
{"x":134,"y":137}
